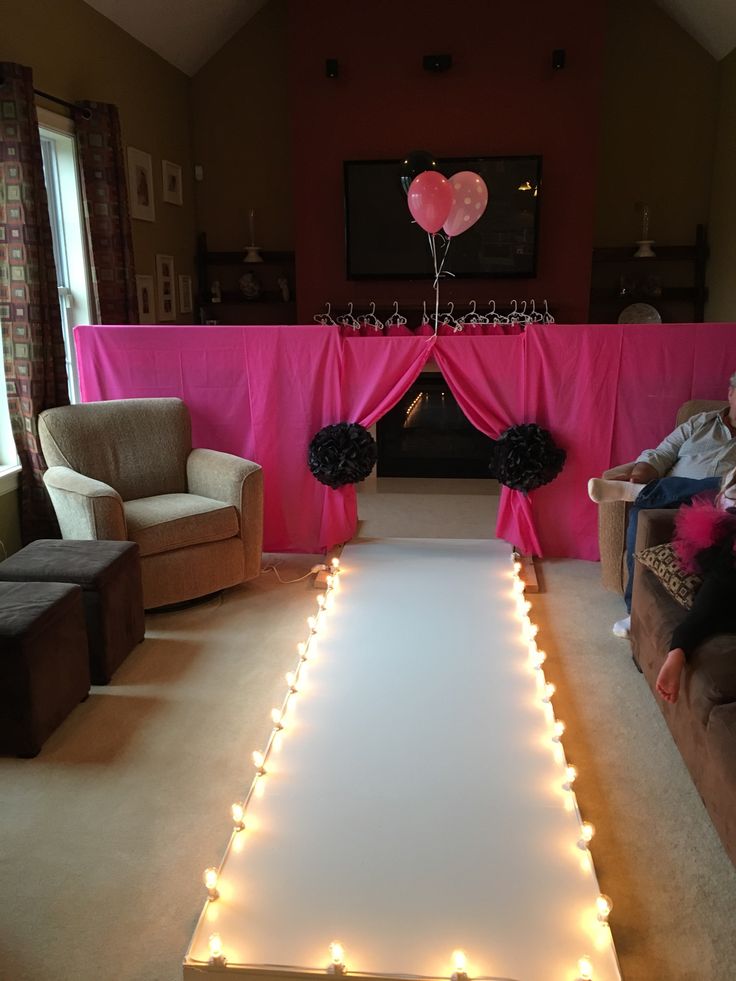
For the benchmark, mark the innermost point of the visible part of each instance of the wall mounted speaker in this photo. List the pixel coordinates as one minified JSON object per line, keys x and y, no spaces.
{"x":437,"y":62}
{"x":558,"y":59}
{"x":331,"y":67}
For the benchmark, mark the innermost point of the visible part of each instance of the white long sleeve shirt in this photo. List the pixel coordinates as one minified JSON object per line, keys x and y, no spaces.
{"x":703,"y":446}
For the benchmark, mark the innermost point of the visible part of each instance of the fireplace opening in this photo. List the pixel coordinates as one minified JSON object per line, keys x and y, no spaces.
{"x":427,"y":435}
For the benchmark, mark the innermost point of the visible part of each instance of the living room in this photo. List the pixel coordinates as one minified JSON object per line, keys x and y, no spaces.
{"x":640,"y":112}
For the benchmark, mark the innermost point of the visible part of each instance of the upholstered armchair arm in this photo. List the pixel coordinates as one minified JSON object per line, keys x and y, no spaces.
{"x":236,"y":481}
{"x":655,"y":527}
{"x":85,"y":508}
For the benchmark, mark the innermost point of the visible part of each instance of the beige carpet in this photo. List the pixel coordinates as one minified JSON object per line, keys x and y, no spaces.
{"x":103,"y":838}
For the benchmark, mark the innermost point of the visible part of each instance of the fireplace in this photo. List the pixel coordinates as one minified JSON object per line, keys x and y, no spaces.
{"x":427,"y":435}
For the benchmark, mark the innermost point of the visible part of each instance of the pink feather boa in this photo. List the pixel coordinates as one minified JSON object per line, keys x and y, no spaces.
{"x":698,"y":526}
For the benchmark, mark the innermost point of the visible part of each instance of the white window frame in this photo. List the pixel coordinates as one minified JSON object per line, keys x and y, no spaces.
{"x":69,"y":234}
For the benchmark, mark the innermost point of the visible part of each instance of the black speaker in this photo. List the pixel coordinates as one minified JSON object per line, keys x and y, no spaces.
{"x":437,"y":62}
{"x":558,"y":59}
{"x":331,"y":67}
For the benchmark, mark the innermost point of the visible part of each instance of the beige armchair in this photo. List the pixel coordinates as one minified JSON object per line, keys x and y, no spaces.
{"x":613,"y":516}
{"x":126,"y":470}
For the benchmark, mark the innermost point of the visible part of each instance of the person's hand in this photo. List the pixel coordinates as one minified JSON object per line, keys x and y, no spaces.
{"x":642,"y":473}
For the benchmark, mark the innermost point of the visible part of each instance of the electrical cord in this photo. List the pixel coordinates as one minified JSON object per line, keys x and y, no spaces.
{"x":315,"y":568}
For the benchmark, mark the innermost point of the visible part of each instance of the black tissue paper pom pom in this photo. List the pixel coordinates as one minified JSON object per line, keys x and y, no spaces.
{"x":342,"y":454}
{"x":525,"y":457}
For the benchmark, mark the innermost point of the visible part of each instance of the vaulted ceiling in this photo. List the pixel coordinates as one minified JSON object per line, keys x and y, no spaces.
{"x":186,"y":33}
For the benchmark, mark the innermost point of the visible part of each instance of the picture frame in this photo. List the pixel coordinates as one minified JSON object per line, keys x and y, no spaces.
{"x":140,"y":185}
{"x":146,"y":299}
{"x":171,"y":180}
{"x":185,"y":294}
{"x":165,"y":287}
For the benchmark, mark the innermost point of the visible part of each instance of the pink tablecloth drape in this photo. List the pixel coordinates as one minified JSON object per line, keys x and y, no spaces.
{"x":604,"y":391}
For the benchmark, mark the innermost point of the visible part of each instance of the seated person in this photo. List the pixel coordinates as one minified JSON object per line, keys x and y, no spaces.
{"x":690,"y":461}
{"x":705,"y":535}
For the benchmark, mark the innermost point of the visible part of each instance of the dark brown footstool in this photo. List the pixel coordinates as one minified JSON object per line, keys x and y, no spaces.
{"x":110,"y":576}
{"x":44,"y":665}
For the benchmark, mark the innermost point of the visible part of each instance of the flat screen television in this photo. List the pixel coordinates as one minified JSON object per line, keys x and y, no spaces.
{"x":383,"y":242}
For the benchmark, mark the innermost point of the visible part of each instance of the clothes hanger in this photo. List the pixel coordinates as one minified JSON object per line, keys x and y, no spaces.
{"x":396,"y":320}
{"x":348,"y":320}
{"x":473,"y":317}
{"x":372,"y":320}
{"x":448,"y":317}
{"x":548,"y":318}
{"x":325,"y":318}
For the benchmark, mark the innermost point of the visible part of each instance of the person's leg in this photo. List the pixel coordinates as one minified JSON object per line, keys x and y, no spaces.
{"x":713,"y":612}
{"x":667,"y":492}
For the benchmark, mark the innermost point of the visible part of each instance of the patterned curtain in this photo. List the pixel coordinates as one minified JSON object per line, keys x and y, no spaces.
{"x":33,"y":344}
{"x":109,"y":236}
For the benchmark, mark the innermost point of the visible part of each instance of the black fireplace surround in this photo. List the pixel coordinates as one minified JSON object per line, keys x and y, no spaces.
{"x":427,"y":435}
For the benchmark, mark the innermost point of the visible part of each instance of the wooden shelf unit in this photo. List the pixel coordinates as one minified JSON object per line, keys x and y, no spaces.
{"x":227,"y":268}
{"x":672,"y":281}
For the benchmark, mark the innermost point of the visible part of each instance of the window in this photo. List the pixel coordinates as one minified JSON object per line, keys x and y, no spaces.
{"x":67,"y":231}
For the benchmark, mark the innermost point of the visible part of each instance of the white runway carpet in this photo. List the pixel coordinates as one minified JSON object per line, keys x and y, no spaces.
{"x":414,"y":803}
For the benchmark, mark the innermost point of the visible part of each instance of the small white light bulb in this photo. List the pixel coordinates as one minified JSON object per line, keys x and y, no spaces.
{"x":586,"y":834}
{"x":301,"y":649}
{"x":538,"y":659}
{"x":549,"y":690}
{"x":321,"y":601}
{"x":329,"y":581}
{"x":217,"y":958}
{"x":460,"y":965}
{"x":276,"y":718}
{"x":291,"y":681}
{"x":533,"y":630}
{"x":604,"y":905}
{"x":210,"y":881}
{"x":571,"y":774}
{"x":312,"y":624}
{"x":258,"y":760}
{"x":585,"y":969}
{"x":238,"y":814}
{"x":335,"y":564}
{"x":337,"y":958}
{"x":558,"y":730}
{"x":518,"y":586}
{"x":517,"y":567}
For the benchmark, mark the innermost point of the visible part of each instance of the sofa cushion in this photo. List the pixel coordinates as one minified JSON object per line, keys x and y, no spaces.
{"x":169,"y":521}
{"x":662,"y":561}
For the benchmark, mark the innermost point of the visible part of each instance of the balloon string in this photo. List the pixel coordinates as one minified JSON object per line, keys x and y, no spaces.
{"x":433,"y":250}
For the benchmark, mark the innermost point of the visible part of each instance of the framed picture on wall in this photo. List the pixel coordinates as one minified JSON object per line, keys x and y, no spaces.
{"x":146,"y":301}
{"x":185,"y":294}
{"x":166,"y":301}
{"x":171,"y":175}
{"x":140,"y":185}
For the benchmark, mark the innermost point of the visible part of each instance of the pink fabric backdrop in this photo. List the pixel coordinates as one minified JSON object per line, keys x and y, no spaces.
{"x":604,"y":391}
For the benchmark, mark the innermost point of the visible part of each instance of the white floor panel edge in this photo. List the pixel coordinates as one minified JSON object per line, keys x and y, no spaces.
{"x":414,"y":802}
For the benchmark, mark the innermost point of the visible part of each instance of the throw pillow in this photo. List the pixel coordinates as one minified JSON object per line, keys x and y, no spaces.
{"x":662,"y":561}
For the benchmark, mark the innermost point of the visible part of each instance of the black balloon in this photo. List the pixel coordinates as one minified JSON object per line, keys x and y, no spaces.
{"x":414,"y":163}
{"x":342,"y":454}
{"x":526,"y":457}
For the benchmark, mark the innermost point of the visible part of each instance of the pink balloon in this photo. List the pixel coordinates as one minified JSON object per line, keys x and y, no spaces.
{"x":430,"y":200}
{"x":469,"y":200}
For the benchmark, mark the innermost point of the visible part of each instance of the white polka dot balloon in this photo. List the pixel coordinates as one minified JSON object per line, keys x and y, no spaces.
{"x":470,"y":197}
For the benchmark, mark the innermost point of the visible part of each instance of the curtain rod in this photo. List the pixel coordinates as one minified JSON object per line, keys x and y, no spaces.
{"x":86,"y":113}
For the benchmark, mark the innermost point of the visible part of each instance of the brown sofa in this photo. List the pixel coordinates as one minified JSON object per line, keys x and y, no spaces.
{"x":613,"y":516}
{"x":703,"y":720}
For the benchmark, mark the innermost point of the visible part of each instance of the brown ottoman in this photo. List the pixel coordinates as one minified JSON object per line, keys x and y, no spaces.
{"x":44,"y":667}
{"x":110,"y":576}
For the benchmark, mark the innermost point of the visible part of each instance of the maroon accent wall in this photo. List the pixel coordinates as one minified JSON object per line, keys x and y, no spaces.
{"x":500,"y":97}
